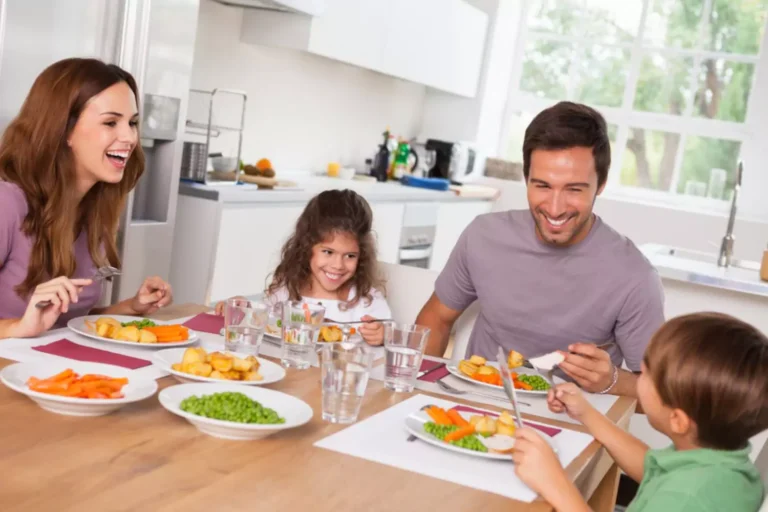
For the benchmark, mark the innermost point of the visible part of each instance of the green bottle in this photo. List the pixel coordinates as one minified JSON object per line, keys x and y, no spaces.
{"x":399,"y":167}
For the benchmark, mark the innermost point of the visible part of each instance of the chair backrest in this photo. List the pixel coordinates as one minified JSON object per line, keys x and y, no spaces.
{"x":409,"y":288}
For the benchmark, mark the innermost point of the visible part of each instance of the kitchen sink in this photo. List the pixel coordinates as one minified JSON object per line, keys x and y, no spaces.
{"x":701,"y":268}
{"x":703,"y":257}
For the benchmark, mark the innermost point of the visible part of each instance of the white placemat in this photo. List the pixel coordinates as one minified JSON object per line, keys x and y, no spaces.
{"x":537,"y":404}
{"x":383,"y":438}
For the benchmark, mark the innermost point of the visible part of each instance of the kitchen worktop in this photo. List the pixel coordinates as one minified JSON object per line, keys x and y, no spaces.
{"x":701,"y":269}
{"x":309,"y":186}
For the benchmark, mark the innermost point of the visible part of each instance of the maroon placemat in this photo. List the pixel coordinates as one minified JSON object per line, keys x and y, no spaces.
{"x":70,"y":350}
{"x":551,"y":431}
{"x":435,"y":374}
{"x":206,"y":322}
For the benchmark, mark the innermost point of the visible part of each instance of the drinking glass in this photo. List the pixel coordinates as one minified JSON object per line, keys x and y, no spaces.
{"x":345,"y":368}
{"x":300,"y":327}
{"x":244,"y":324}
{"x":404,"y":347}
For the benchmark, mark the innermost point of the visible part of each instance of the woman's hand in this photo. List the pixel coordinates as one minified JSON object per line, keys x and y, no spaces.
{"x":61,"y":292}
{"x":153,"y":294}
{"x":372,"y":331}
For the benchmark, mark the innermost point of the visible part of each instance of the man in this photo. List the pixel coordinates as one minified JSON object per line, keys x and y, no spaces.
{"x":554,"y":277}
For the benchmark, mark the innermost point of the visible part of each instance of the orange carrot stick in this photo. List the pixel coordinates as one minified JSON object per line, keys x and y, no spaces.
{"x":458,"y":434}
{"x":456,"y":418}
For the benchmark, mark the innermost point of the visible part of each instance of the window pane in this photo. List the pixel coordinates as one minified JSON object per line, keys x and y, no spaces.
{"x":649,"y":159}
{"x":609,"y":20}
{"x":736,"y":26}
{"x":664,"y":84}
{"x":556,"y":16}
{"x":674,"y":23}
{"x":605,"y":20}
{"x":545,"y":69}
{"x":709,"y":167}
{"x":723,"y":90}
{"x":601,"y":76}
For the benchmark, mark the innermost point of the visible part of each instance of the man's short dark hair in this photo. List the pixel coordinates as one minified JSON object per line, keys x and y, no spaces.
{"x":567,"y":125}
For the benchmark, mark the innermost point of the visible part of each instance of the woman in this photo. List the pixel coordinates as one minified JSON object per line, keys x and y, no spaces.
{"x":67,"y":163}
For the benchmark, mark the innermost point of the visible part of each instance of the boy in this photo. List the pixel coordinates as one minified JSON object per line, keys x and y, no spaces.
{"x":704,"y":384}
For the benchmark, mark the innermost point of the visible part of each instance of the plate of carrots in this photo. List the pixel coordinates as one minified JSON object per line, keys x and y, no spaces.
{"x":133,"y":330}
{"x":77,"y":388}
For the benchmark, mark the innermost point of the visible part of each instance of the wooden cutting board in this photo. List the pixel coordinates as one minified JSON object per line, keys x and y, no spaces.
{"x":261,"y":181}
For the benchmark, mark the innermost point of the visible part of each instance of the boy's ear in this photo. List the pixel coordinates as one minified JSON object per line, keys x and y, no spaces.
{"x":680,"y":423}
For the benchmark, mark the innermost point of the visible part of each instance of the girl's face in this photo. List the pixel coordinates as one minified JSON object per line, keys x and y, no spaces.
{"x":334,"y":261}
{"x":105,"y":135}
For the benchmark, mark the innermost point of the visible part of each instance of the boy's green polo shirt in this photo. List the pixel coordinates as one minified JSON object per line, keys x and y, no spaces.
{"x":699,"y":480}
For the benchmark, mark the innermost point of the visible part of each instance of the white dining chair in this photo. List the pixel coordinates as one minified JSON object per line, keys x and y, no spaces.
{"x":408,"y":289}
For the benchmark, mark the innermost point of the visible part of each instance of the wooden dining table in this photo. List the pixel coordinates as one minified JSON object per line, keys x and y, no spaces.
{"x":142,"y":457}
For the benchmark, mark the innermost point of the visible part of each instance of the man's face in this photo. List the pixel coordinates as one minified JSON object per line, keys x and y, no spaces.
{"x":562,"y":187}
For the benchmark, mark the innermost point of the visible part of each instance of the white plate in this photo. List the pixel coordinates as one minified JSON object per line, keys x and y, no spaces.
{"x":415,"y":425}
{"x":296,"y":412}
{"x":15,"y":377}
{"x":520,"y":371}
{"x":165,"y":358}
{"x":78,"y":325}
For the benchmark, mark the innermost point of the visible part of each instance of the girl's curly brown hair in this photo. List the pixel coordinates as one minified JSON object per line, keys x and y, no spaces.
{"x":330,"y":212}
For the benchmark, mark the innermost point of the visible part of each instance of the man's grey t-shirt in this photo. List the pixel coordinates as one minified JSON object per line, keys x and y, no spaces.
{"x":536,"y":297}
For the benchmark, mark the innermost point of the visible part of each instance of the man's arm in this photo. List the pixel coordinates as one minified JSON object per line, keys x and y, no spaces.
{"x":440,"y":319}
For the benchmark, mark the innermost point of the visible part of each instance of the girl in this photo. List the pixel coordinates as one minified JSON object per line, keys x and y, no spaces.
{"x":67,"y":163}
{"x":331,"y":259}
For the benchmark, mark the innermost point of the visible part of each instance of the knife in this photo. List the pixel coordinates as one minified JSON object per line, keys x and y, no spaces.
{"x":509,"y":387}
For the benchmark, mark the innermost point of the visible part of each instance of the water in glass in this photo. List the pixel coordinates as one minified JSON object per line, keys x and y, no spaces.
{"x":300,"y":328}
{"x":404,"y":347}
{"x":244,"y":324}
{"x":345,"y":368}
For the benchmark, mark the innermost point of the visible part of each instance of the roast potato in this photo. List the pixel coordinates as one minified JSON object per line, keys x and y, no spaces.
{"x":147,"y":337}
{"x":130,"y":333}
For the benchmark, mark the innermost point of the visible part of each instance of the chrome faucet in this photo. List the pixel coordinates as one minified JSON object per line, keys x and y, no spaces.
{"x":726,"y":246}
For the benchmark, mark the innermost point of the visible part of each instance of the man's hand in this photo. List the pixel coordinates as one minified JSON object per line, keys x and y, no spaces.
{"x":589,"y":366}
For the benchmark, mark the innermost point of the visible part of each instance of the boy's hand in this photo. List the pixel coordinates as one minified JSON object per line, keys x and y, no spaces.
{"x":372,"y":332}
{"x":568,"y":398}
{"x":535,"y":462}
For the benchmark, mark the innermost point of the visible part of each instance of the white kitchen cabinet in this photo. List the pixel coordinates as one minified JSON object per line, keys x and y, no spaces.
{"x":438,"y":43}
{"x":387,"y":226}
{"x":452,"y":219}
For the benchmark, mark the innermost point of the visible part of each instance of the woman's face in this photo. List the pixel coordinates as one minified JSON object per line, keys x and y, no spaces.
{"x":105,"y":136}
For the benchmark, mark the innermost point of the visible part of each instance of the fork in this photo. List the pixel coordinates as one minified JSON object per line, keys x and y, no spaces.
{"x":101,"y":273}
{"x":455,"y":391}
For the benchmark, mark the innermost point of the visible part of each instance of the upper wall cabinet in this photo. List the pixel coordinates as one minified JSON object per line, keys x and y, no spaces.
{"x":438,"y":43}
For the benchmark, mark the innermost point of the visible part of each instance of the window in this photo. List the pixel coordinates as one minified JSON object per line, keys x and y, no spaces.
{"x":673,"y":79}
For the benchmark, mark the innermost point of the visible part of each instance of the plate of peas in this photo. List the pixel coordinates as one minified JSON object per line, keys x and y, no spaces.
{"x":229,"y":411}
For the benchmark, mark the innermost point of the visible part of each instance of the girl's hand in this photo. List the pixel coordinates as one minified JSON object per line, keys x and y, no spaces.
{"x":153,"y":295}
{"x":570,"y":399}
{"x":372,"y":331}
{"x":219,"y":310}
{"x":535,"y":462}
{"x":62,"y":292}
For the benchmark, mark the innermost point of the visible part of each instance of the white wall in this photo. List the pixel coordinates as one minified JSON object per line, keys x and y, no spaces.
{"x":303,"y":110}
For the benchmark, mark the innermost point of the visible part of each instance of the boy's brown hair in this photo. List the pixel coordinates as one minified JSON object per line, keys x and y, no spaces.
{"x":714,"y":368}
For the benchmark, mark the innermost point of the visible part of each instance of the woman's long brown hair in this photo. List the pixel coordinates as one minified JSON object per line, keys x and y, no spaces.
{"x":35,"y":156}
{"x":330,"y":212}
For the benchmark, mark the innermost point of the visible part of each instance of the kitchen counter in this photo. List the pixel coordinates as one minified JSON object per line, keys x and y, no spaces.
{"x":701,"y":269}
{"x":309,"y":186}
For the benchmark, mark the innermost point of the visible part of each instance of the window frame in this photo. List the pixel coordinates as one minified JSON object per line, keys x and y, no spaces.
{"x":624,"y":116}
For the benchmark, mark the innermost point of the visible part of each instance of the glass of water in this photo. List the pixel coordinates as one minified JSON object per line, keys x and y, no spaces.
{"x":300,"y":328}
{"x":244,"y":324}
{"x":404,"y":346}
{"x":344,"y":368}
